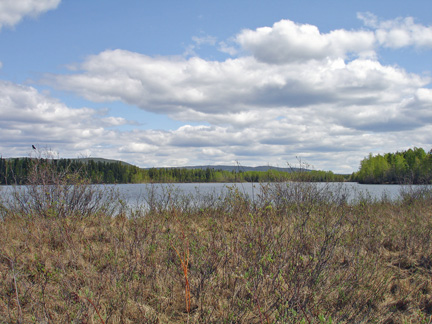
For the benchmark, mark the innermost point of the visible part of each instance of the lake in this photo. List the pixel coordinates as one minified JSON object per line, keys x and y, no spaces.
{"x":138,"y":193}
{"x":135,"y":195}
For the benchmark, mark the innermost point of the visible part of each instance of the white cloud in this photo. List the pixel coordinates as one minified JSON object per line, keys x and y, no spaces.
{"x":27,"y":117}
{"x":19,"y":103}
{"x":287,"y":41}
{"x":325,"y":136}
{"x":115,"y":121}
{"x":136,"y":147}
{"x":225,"y":48}
{"x":199,"y":41}
{"x":204,"y":40}
{"x":241,"y":91}
{"x":297,"y":92}
{"x":13,"y":11}
{"x":400,"y":32}
{"x":424,"y":95}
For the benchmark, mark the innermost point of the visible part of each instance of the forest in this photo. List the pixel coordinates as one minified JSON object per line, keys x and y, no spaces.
{"x":413,"y":166}
{"x":17,"y":171}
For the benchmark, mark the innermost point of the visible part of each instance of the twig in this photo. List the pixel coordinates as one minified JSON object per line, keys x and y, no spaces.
{"x":304,"y":313}
{"x":259,"y":310}
{"x":184,"y":264}
{"x":78,"y":297}
{"x":16,"y":290}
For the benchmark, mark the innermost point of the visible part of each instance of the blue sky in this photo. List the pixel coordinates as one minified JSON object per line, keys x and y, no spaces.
{"x":171,"y":83}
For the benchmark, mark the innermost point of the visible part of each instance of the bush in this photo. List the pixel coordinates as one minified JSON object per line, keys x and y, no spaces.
{"x":50,"y":191}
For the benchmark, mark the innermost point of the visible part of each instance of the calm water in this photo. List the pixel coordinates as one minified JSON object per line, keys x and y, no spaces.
{"x":138,"y":193}
{"x":141,"y":194}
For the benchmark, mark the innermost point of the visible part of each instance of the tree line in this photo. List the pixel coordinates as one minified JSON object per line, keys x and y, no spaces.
{"x":17,"y":171}
{"x":413,"y":166}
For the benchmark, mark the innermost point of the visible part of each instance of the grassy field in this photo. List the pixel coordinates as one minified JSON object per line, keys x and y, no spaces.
{"x":297,"y":254}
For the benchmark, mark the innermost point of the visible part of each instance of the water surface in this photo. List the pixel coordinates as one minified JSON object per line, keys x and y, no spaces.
{"x":142,"y":194}
{"x":136,"y":193}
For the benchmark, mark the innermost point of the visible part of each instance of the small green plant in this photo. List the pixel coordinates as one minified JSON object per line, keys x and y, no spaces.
{"x":323,"y":320}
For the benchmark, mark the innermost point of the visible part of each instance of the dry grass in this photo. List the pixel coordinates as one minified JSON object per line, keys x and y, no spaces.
{"x":306,"y":257}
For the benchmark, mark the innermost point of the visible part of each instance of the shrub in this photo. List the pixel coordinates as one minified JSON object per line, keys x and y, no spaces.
{"x":51,"y":191}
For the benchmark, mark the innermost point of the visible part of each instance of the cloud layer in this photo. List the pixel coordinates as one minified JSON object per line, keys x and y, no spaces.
{"x":195,"y":89}
{"x":292,"y":91}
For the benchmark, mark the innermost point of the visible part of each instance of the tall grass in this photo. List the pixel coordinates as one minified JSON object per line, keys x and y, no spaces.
{"x":298,"y":253}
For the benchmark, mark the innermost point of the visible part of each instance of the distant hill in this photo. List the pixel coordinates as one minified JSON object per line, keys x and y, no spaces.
{"x":96,"y":160}
{"x":242,"y":168}
{"x":229,"y":168}
{"x":204,"y":167}
{"x":84,"y":160}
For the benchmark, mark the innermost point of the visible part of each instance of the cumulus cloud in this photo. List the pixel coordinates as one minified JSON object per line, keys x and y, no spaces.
{"x":400,"y":32}
{"x":323,"y":135}
{"x":293,"y":91}
{"x":13,"y":11}
{"x":27,"y":116}
{"x":287,"y":41}
{"x":240,"y":91}
{"x":224,"y":47}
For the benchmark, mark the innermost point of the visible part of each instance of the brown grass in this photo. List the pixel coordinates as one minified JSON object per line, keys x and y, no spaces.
{"x":304,"y":258}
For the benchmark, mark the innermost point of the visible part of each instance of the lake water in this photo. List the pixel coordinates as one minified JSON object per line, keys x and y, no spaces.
{"x":138,"y":193}
{"x":142,"y":194}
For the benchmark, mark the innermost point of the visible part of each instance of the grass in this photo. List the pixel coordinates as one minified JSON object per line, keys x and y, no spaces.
{"x":296,"y":254}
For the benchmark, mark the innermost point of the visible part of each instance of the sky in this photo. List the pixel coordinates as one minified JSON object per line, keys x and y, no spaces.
{"x":179,"y":83}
